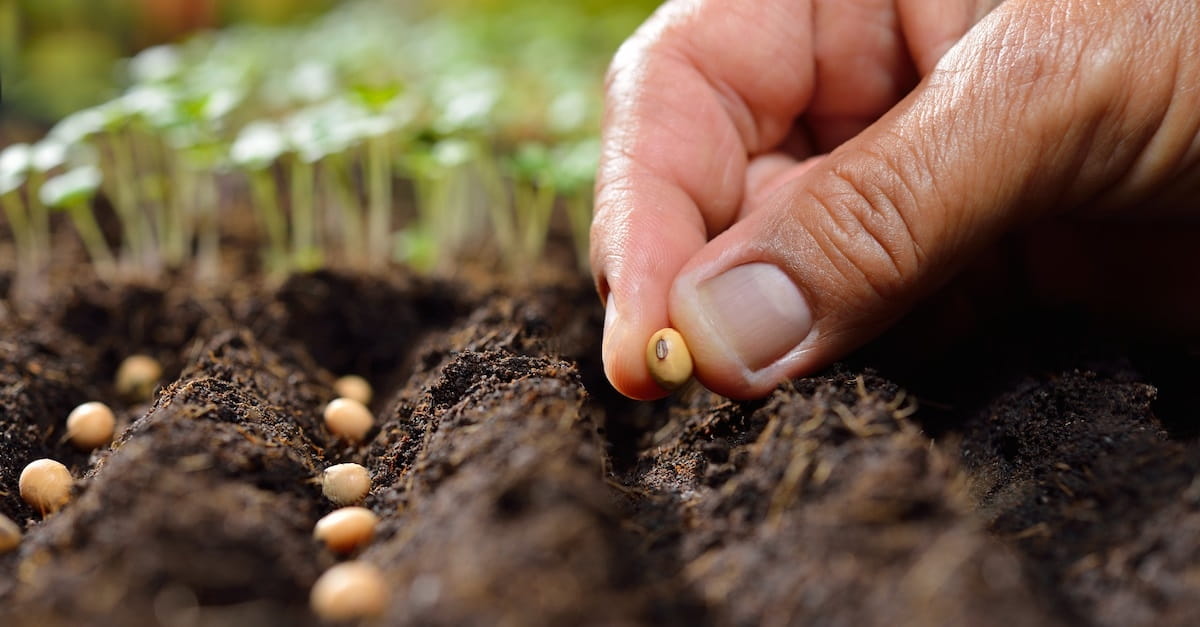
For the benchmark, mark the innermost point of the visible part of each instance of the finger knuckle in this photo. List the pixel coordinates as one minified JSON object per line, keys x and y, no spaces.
{"x":864,"y":220}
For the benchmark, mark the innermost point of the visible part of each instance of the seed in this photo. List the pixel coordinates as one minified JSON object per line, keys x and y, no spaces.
{"x":46,"y":485}
{"x":346,"y":529}
{"x":348,"y":418}
{"x":10,"y":534}
{"x":668,"y":359}
{"x":355,"y":387}
{"x":90,"y":425}
{"x":137,"y":377}
{"x":348,"y":591}
{"x":345,"y":484}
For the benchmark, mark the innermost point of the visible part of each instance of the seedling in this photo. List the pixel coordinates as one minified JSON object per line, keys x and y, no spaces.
{"x":137,"y":376}
{"x":10,"y":534}
{"x":668,"y":359}
{"x":347,"y":529}
{"x":354,"y":387}
{"x":45,"y":485}
{"x":90,"y":426}
{"x":72,"y":192}
{"x":257,"y":147}
{"x":345,"y":484}
{"x":14,"y":168}
{"x":350,"y":591}
{"x":348,"y":419}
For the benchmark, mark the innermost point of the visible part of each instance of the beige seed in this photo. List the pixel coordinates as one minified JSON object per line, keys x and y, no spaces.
{"x":137,"y":377}
{"x":46,"y":485}
{"x":90,"y":425}
{"x":345,"y":484}
{"x":10,"y":534}
{"x":349,"y":591}
{"x":345,"y":530}
{"x":355,"y":387}
{"x":348,"y":418}
{"x":668,"y":359}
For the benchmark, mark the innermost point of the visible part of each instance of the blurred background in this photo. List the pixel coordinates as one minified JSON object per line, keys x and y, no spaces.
{"x":59,"y":56}
{"x":356,"y":133}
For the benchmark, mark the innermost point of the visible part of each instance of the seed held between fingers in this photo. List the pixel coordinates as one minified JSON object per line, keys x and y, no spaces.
{"x":348,"y":591}
{"x":345,"y":530}
{"x":668,"y":359}
{"x":345,"y":484}
{"x":90,"y":425}
{"x":45,"y":485}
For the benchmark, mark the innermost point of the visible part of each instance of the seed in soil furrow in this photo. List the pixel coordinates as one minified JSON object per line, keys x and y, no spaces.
{"x":137,"y":377}
{"x":350,"y":591}
{"x":207,"y":497}
{"x":39,"y":385}
{"x":348,"y":419}
{"x":347,"y":529}
{"x":46,"y":485}
{"x":509,"y":482}
{"x":91,"y":425}
{"x":354,"y":387}
{"x":345,"y":484}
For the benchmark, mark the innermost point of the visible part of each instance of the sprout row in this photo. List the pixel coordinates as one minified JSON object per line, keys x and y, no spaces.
{"x":368,"y":137}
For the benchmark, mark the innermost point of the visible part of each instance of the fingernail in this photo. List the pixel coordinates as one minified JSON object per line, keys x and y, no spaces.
{"x":758,"y":311}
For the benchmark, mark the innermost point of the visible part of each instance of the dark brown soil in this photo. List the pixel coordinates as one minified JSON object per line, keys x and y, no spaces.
{"x":1026,"y":479}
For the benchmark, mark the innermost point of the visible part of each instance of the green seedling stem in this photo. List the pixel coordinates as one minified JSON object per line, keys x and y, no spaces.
{"x":39,"y":220}
{"x":18,"y":221}
{"x":533,"y":204}
{"x":579,"y":214}
{"x":348,"y":215}
{"x":89,"y":231}
{"x":208,"y":240}
{"x":379,"y":199}
{"x":126,"y":201}
{"x":499,"y":207}
{"x":306,"y":255}
{"x":177,"y":224}
{"x":271,"y":218}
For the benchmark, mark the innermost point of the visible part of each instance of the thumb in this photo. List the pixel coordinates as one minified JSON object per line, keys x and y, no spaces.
{"x":1042,"y":107}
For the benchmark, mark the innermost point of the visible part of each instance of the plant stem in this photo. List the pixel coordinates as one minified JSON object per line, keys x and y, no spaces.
{"x":499,"y":208}
{"x":305,"y":254}
{"x":348,"y":216}
{"x":579,"y":214}
{"x":379,"y":189}
{"x":26,"y":256}
{"x":533,"y":206}
{"x":176,"y":222}
{"x":208,"y":245}
{"x":93,"y":240}
{"x":266,"y":203}
{"x":39,"y":221}
{"x":126,"y":203}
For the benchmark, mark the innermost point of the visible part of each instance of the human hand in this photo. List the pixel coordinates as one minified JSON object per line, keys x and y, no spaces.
{"x":781,"y":181}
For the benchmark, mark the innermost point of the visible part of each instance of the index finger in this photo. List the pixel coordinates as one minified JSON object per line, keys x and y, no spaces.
{"x":680,"y":123}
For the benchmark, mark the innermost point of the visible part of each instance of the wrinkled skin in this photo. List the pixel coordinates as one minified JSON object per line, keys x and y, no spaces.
{"x":856,"y":157}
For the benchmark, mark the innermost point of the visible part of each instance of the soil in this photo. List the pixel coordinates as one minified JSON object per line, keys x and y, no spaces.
{"x":1024,"y":478}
